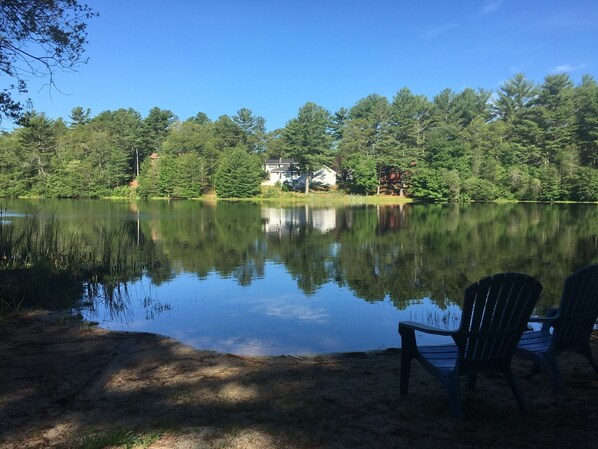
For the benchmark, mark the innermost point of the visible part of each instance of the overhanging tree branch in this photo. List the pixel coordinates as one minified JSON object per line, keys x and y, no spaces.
{"x":38,"y":38}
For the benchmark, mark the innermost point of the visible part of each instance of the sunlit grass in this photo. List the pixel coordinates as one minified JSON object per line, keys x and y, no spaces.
{"x":118,"y":438}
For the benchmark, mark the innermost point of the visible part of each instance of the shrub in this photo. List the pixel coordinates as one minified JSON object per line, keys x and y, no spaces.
{"x":480,"y":189}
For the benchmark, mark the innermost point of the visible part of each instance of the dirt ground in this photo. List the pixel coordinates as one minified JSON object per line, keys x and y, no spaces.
{"x":63,"y":385}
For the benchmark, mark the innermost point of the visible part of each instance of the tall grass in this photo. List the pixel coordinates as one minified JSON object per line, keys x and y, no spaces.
{"x":35,"y":242}
{"x":43,"y":265}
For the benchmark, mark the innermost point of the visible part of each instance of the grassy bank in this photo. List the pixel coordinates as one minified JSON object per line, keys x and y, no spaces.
{"x":277,"y":196}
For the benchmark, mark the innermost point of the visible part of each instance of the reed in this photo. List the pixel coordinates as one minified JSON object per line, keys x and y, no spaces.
{"x":41,"y":264}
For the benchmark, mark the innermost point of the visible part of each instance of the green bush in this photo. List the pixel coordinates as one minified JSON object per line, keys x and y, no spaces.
{"x":427,"y":184}
{"x":480,"y":189}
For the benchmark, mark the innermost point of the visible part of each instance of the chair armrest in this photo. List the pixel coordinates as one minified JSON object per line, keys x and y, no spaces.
{"x":415,"y":326}
{"x":540,"y":319}
{"x":552,"y":312}
{"x":546,"y":321}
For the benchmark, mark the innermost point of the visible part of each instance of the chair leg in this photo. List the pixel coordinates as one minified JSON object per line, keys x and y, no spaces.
{"x":453,"y":390}
{"x":472,"y":380}
{"x":408,"y":350}
{"x":516,"y":390}
{"x":405,"y":372}
{"x":552,"y":367}
{"x":587,"y":352}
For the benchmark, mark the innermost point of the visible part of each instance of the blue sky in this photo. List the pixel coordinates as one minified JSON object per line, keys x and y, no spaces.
{"x":273,"y":56}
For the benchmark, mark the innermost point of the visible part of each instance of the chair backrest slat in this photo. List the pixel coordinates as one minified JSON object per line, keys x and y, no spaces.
{"x":495,"y":314}
{"x":579,"y":307}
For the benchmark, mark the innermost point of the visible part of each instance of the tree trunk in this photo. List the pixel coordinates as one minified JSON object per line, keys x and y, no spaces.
{"x":307,"y":179}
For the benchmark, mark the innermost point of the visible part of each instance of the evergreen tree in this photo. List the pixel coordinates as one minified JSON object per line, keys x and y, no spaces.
{"x":556,"y":116}
{"x":125,"y":127}
{"x":307,"y":139}
{"x":227,"y":133}
{"x":514,"y":95}
{"x":79,"y":116}
{"x":38,"y":145}
{"x":586,"y":103}
{"x":254,"y":130}
{"x":155,"y":128}
{"x":239,"y":175}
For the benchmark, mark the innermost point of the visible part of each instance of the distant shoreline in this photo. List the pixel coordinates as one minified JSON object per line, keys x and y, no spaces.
{"x":313,"y":198}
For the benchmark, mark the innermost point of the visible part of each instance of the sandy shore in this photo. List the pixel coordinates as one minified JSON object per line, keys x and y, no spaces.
{"x":65,"y":385}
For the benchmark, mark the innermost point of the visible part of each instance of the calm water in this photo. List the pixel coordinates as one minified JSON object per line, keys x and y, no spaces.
{"x":256,"y":279}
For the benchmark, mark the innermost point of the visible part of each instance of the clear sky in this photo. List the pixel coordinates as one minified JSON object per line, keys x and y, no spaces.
{"x":273,"y":56}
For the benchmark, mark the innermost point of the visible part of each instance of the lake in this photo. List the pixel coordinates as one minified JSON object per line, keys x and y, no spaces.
{"x":260,"y":279}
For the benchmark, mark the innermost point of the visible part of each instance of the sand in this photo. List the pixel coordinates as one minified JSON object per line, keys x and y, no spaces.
{"x":64,"y":384}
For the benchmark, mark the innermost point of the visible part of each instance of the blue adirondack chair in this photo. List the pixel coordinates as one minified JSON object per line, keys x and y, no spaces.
{"x":494,"y":315}
{"x":567,"y":328}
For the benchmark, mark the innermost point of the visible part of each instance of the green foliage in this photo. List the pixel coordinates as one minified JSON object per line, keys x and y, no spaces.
{"x":427,"y":184}
{"x":79,"y":116}
{"x":278,"y":191}
{"x":514,"y":96}
{"x":172,"y":176}
{"x":239,"y":175}
{"x":480,"y":189}
{"x":364,"y":175}
{"x":584,"y":185}
{"x":550,"y":183}
{"x":586,"y":101}
{"x":125,"y":130}
{"x":530,"y":142}
{"x":307,"y":139}
{"x":254,"y":130}
{"x":155,"y":128}
{"x":148,"y":179}
{"x":13,"y":179}
{"x":90,"y":164}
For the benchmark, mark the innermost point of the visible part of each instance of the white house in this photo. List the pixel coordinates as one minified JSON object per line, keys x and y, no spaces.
{"x":287,"y":170}
{"x":281,"y":170}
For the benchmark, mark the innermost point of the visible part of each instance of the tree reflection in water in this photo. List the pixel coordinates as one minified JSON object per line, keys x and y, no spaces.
{"x":401,"y":254}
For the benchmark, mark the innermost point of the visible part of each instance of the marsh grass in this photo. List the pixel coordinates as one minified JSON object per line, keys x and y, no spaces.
{"x":34,"y":242}
{"x":41,"y":264}
{"x":88,"y":325}
{"x":10,"y":306}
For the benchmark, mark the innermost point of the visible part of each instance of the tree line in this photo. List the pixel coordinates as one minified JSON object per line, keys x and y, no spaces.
{"x":526,"y":141}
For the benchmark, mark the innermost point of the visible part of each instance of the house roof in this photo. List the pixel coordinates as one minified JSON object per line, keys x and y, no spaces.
{"x":280,"y":161}
{"x":285,"y":169}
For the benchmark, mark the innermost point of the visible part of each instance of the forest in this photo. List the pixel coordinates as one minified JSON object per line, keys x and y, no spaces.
{"x":524,"y":141}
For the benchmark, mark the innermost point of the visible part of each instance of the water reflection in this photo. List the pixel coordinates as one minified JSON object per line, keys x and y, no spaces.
{"x":284,"y":221}
{"x":242,"y":277}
